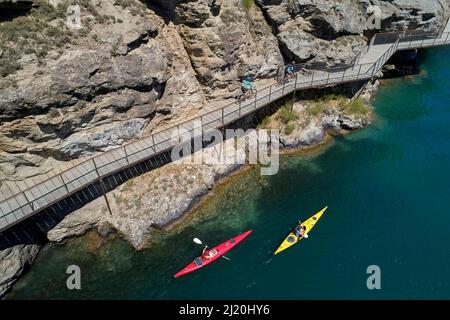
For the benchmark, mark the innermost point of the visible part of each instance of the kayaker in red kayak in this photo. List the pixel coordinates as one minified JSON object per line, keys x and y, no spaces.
{"x":208,"y":254}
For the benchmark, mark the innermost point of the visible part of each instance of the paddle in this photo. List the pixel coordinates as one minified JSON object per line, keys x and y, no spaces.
{"x":198,"y":241}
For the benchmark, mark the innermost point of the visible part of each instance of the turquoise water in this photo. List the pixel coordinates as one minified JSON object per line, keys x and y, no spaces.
{"x":387,"y":188}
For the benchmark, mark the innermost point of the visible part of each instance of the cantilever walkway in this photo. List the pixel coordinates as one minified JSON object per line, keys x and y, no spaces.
{"x":25,"y":201}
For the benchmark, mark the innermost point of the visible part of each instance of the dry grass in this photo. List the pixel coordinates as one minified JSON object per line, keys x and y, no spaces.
{"x":356,"y":107}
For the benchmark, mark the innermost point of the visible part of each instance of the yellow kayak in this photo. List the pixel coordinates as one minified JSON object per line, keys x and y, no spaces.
{"x":292,"y":239}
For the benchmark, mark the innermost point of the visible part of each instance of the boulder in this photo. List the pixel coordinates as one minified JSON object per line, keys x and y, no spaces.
{"x":350,"y":122}
{"x":313,"y":133}
{"x":78,"y":222}
{"x":13,"y":262}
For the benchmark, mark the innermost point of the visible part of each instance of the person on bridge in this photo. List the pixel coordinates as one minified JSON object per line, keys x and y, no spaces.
{"x":247,"y":85}
{"x":289,"y":70}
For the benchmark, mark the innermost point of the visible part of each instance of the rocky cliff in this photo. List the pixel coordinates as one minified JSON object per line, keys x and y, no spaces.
{"x":78,"y":77}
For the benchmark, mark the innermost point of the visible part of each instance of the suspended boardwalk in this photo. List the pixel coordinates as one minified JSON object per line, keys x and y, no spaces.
{"x":27,"y":200}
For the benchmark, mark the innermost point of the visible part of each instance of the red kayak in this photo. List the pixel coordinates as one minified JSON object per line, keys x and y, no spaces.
{"x":221,"y":250}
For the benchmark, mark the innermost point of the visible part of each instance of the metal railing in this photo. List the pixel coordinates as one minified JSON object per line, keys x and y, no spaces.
{"x":52,"y":190}
{"x":321,"y":66}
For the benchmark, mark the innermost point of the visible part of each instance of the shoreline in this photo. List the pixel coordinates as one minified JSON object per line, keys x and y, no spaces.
{"x":237,"y":173}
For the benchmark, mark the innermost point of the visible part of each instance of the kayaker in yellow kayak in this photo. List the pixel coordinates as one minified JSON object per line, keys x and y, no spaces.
{"x":300,"y":231}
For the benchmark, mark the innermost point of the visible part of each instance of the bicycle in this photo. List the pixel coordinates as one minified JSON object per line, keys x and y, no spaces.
{"x":305,"y":71}
{"x":286,"y":78}
{"x":249,"y":93}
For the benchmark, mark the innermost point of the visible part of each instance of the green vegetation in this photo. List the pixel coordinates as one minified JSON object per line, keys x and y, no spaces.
{"x":356,"y":106}
{"x":117,"y":198}
{"x":247,"y":4}
{"x":286,"y":115}
{"x":36,"y":33}
{"x":9,"y":61}
{"x":289,"y":128}
{"x":264,"y":122}
{"x":129,"y":183}
{"x":316,"y":108}
{"x":331,"y":97}
{"x":44,"y":29}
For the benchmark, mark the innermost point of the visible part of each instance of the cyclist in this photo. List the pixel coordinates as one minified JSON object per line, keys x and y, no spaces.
{"x":247,"y":86}
{"x":289,"y":71}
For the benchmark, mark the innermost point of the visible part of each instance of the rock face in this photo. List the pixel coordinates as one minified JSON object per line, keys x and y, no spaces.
{"x":225,"y":42}
{"x":319,"y":30}
{"x":412,"y":14}
{"x":13,"y":261}
{"x":78,"y":222}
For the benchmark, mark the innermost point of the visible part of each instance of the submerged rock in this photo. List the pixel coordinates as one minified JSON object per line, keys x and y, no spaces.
{"x":13,"y":262}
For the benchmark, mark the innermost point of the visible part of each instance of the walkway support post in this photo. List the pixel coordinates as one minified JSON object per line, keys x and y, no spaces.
{"x":64,"y":183}
{"x":223,"y":119}
{"x":103,"y":188}
{"x":295,"y":90}
{"x":359,"y":72}
{"x":126,"y":155}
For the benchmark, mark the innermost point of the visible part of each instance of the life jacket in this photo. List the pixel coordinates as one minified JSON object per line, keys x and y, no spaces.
{"x":246,"y":85}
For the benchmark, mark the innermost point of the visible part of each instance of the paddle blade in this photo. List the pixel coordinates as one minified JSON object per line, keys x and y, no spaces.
{"x":226,"y":258}
{"x":197,"y":241}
